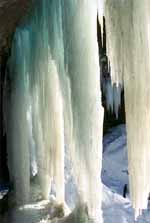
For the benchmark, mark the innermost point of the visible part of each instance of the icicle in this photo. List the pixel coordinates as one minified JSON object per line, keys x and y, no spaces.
{"x":112,"y":94}
{"x":115,"y":16}
{"x":108,"y":91}
{"x":117,"y":98}
{"x":127,"y":25}
{"x":33,"y":161}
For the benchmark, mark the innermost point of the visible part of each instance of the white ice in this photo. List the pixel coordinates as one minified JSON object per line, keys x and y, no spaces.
{"x":54,"y":76}
{"x":128,"y":47}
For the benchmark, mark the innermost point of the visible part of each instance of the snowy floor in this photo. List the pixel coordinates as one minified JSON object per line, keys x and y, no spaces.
{"x":116,"y":209}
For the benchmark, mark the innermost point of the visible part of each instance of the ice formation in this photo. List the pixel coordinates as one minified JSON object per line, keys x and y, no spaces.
{"x":128,"y":47}
{"x":53,"y":99}
{"x":112,"y":94}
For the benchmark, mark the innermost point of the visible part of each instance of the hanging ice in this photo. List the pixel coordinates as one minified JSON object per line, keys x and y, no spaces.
{"x":54,"y":75}
{"x":128,"y":46}
{"x":112,"y":95}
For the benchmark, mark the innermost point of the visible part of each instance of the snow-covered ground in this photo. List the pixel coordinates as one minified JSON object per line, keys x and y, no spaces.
{"x":115,"y":165}
{"x":116,"y":209}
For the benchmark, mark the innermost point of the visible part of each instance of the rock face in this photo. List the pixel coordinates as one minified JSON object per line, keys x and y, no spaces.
{"x":11,"y":12}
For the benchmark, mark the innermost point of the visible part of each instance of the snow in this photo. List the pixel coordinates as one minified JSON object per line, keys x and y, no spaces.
{"x":115,"y":156}
{"x":116,"y":209}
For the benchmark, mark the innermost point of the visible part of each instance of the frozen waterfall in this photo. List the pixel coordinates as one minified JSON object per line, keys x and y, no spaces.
{"x":53,"y":99}
{"x":128,"y":47}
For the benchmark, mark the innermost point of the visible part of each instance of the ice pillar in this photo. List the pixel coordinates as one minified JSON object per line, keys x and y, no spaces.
{"x":128,"y":32}
{"x":83,"y":70}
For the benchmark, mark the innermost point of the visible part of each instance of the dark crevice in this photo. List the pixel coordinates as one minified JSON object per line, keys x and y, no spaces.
{"x":4,"y":173}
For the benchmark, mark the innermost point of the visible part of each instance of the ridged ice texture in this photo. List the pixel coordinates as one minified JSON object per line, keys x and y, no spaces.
{"x":55,"y":98}
{"x":116,"y":13}
{"x":128,"y":33}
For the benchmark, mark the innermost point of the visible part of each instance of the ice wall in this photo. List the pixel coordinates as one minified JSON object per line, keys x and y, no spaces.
{"x":54,"y":75}
{"x":128,"y":46}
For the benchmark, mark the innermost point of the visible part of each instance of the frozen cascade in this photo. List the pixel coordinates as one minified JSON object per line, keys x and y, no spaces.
{"x":128,"y":46}
{"x":54,"y":99}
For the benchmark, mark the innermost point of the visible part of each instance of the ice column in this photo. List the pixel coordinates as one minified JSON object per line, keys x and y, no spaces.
{"x":128,"y":32}
{"x":83,"y":69}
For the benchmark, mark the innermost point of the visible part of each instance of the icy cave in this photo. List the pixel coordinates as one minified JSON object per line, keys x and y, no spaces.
{"x":73,"y":69}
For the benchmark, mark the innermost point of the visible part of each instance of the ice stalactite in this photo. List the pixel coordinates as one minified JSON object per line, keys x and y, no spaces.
{"x":112,"y":94}
{"x":55,"y":100}
{"x":128,"y":32}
